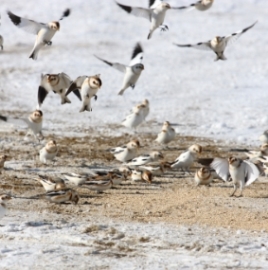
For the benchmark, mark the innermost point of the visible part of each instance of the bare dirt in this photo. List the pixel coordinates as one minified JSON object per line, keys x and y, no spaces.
{"x":172,"y":198}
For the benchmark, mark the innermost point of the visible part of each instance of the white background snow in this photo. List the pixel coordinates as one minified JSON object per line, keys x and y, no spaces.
{"x":223,"y":100}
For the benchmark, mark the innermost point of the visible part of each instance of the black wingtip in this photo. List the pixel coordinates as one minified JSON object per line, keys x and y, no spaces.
{"x":3,"y":118}
{"x":14,"y":18}
{"x":42,"y":93}
{"x":138,"y":49}
{"x":106,"y":62}
{"x":66,"y":13}
{"x":126,"y":8}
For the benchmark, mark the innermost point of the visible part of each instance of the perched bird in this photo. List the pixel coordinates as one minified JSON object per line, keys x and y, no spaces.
{"x":132,"y":72}
{"x":44,"y":32}
{"x":167,"y":134}
{"x":145,"y":108}
{"x":63,"y":195}
{"x":3,"y":159}
{"x":155,"y":14}
{"x":186,"y":159}
{"x":203,"y":176}
{"x":264,"y":137}
{"x":34,"y":123}
{"x":135,"y":118}
{"x":218,"y":44}
{"x":242,"y":172}
{"x":3,"y":209}
{"x":144,"y":159}
{"x":138,"y":175}
{"x":48,"y":152}
{"x":201,"y":5}
{"x":98,"y":186}
{"x":58,"y":83}
{"x":85,"y":87}
{"x":127,"y":152}
{"x":1,"y":43}
{"x":50,"y":184}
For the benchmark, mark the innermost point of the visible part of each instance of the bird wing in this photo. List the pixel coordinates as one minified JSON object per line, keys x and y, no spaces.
{"x":252,"y":172}
{"x":185,"y":7}
{"x":65,"y":79}
{"x":43,"y":89}
{"x":137,"y":11}
{"x":137,"y":55}
{"x":29,"y":26}
{"x":200,"y":46}
{"x":118,"y":150}
{"x":221,"y":166}
{"x":117,"y":66}
{"x":75,"y":86}
{"x":233,"y":37}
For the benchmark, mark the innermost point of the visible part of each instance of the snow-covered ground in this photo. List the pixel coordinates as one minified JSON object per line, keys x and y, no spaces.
{"x":224,"y":99}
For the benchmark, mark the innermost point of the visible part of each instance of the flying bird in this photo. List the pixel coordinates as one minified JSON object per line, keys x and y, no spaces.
{"x":218,"y":44}
{"x":44,"y":31}
{"x":155,"y":14}
{"x":58,"y":83}
{"x":199,"y":5}
{"x":85,"y":87}
{"x":132,"y":72}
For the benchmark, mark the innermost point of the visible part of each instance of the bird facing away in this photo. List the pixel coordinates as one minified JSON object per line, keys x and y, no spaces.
{"x":155,"y":14}
{"x":218,"y":44}
{"x":203,"y":176}
{"x":44,"y":31}
{"x":85,"y":87}
{"x":132,"y":72}
{"x":48,"y":152}
{"x":167,"y":134}
{"x":58,"y":83}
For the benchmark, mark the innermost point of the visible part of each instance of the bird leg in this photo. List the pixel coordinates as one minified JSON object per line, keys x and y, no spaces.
{"x":235,"y":188}
{"x":95,"y":97}
{"x":132,"y":86}
{"x":164,"y":27}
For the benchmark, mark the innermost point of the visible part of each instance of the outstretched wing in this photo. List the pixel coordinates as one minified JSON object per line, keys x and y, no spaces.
{"x":137,"y":55}
{"x":252,"y":172}
{"x":76,"y":86}
{"x":43,"y":89}
{"x":221,"y":166}
{"x":201,"y":45}
{"x":65,"y":79}
{"x":137,"y":11}
{"x":29,"y":26}
{"x":233,"y":37}
{"x":117,"y":66}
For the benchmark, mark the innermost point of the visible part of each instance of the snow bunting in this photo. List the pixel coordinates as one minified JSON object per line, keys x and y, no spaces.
{"x":138,"y":175}
{"x":218,"y":44}
{"x":44,"y":32}
{"x":63,"y":195}
{"x":35,"y":123}
{"x":254,"y":155}
{"x":85,"y":87}
{"x":3,"y":159}
{"x":242,"y":172}
{"x":145,"y":108}
{"x":50,"y":184}
{"x":135,"y":118}
{"x":58,"y":83}
{"x":126,"y":153}
{"x":203,"y":176}
{"x":48,"y":152}
{"x":264,"y":137}
{"x":98,"y":186}
{"x":132,"y":72}
{"x":3,"y":208}
{"x":186,"y":159}
{"x":155,"y":14}
{"x":167,"y":134}
{"x":76,"y":179}
{"x":144,"y":159}
{"x":156,"y":169}
{"x":201,"y":5}
{"x":114,"y":175}
{"x":1,"y":43}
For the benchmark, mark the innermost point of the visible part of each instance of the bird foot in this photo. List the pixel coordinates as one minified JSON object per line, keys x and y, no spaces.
{"x":164,"y":28}
{"x":95,"y":97}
